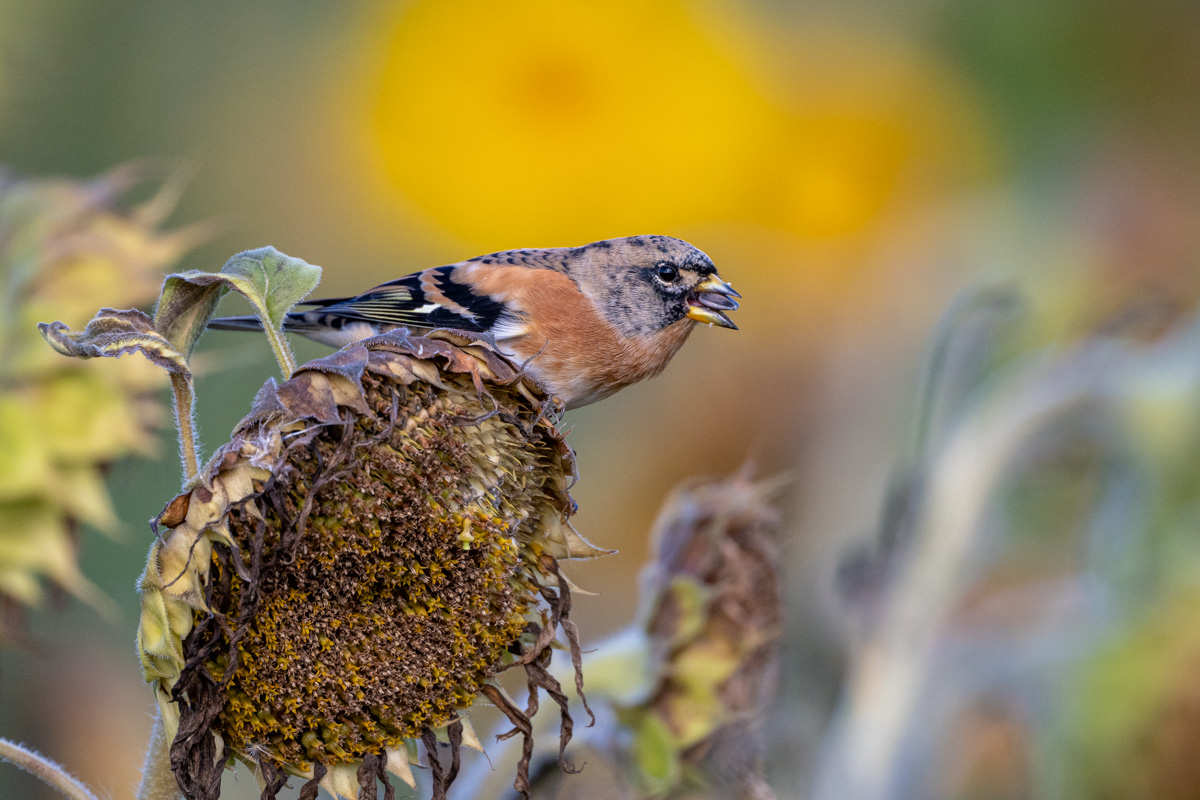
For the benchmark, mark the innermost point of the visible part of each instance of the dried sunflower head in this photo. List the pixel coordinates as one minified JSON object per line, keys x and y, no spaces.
{"x":681,"y":695}
{"x":378,"y":540}
{"x":63,"y":243}
{"x":712,"y":615}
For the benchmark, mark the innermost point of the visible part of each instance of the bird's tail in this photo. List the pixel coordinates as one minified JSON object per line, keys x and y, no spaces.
{"x":328,"y":329}
{"x":247,"y":323}
{"x":303,"y":323}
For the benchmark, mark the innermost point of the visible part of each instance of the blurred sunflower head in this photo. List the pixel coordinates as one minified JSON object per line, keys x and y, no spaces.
{"x":375,"y":544}
{"x":542,"y":121}
{"x":711,"y":616}
{"x":62,"y":243}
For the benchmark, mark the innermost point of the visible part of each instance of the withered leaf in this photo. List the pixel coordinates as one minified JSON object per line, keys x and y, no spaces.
{"x":113,"y":333}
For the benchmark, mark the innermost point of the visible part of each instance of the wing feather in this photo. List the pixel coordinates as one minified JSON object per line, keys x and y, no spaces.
{"x":414,"y":300}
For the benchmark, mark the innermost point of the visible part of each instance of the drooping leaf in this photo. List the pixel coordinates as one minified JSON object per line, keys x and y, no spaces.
{"x":271,"y":281}
{"x":970,"y":341}
{"x":113,"y":333}
{"x":185,"y":307}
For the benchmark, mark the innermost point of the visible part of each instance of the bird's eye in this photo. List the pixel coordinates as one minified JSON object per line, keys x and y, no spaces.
{"x":667,"y":273}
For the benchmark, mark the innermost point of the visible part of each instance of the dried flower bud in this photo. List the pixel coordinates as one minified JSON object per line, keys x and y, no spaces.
{"x":378,"y":540}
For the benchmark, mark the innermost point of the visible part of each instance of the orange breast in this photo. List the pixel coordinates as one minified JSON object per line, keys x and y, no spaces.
{"x":575,"y":352}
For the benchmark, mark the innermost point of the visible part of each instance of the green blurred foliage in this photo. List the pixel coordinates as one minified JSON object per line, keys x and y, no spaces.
{"x":1134,"y":721}
{"x":1035,"y":568}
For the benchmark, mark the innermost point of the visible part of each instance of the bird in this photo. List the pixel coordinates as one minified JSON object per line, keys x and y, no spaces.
{"x":585,"y":322}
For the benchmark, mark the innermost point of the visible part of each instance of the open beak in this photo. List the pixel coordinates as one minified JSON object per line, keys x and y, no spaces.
{"x":709,"y":301}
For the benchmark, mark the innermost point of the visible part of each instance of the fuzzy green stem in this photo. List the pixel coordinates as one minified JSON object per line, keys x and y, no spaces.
{"x":158,"y":781}
{"x":37,"y":764}
{"x":185,"y":423}
{"x":283,"y":353}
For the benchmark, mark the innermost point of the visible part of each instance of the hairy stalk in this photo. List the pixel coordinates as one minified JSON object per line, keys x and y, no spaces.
{"x":283,"y":353}
{"x":158,"y":781}
{"x":37,"y":764}
{"x":185,"y":424}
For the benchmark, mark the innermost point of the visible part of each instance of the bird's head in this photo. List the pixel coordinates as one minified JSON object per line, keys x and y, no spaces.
{"x":644,"y":284}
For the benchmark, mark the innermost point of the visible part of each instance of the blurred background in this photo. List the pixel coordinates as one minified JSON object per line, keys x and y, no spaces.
{"x":851,"y":167}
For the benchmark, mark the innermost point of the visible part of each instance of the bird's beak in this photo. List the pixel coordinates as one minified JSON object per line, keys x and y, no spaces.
{"x":711,"y":298}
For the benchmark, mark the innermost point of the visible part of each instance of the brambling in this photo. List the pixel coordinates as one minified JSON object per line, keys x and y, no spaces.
{"x":586,"y":321}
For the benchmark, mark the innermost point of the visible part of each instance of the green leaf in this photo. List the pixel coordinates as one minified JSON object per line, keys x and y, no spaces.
{"x":113,"y":333}
{"x":271,"y":281}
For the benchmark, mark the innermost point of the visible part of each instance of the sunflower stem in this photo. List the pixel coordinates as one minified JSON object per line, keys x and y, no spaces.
{"x":158,"y":781}
{"x":185,"y":423}
{"x":38,"y":765}
{"x":283,"y":353}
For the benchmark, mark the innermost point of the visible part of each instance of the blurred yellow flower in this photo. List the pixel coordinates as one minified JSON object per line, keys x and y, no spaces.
{"x":538,"y":124}
{"x":868,"y":124}
{"x":548,"y":123}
